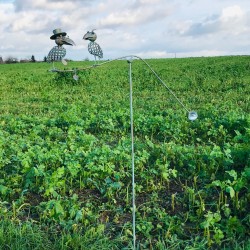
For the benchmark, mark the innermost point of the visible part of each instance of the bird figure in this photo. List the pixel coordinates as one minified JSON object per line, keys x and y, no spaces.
{"x":58,"y":52}
{"x":93,"y":47}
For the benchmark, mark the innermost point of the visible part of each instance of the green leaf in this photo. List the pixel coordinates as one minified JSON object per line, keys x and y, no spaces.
{"x":205,"y":224}
{"x":232,"y":173}
{"x":165,"y":175}
{"x":78,"y":215}
{"x":217,"y":183}
{"x":231,"y":191}
{"x":247,"y":173}
{"x":217,"y":217}
{"x":218,"y":235}
{"x":3,"y":190}
{"x":116,"y":185}
{"x":58,"y":208}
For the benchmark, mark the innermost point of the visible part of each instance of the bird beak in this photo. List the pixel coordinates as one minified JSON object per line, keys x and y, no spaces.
{"x":86,"y":36}
{"x":68,"y":41}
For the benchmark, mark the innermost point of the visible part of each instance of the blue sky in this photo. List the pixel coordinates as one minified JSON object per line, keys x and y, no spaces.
{"x":147,"y":28}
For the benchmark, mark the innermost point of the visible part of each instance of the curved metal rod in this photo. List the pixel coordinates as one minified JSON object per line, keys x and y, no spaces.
{"x":88,"y":67}
{"x":171,"y":92}
{"x":120,"y":58}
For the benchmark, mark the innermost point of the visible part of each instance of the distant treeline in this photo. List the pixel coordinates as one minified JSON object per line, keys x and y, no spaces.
{"x":11,"y":59}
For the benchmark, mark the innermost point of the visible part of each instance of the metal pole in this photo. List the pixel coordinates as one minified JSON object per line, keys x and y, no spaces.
{"x":132,"y":151}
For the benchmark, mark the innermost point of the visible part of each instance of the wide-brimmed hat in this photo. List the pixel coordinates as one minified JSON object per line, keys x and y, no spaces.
{"x":57,"y":32}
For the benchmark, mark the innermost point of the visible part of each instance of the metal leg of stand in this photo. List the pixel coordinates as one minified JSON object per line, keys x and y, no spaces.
{"x":132,"y":152}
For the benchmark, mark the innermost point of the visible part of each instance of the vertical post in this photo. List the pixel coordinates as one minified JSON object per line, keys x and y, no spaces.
{"x":132,"y":151}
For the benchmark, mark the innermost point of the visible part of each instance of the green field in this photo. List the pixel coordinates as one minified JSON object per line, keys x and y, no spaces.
{"x":65,"y":155}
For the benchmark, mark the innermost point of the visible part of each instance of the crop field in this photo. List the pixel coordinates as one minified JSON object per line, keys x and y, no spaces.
{"x":65,"y":155}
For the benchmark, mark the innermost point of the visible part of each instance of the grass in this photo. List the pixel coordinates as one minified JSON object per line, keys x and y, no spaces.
{"x":27,"y":236}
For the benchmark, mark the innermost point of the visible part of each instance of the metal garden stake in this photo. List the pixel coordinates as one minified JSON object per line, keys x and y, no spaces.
{"x":96,"y":50}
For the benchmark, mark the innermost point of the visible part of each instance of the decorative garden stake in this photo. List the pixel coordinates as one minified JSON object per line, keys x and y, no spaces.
{"x":93,"y":47}
{"x":58,"y":52}
{"x":192,"y":115}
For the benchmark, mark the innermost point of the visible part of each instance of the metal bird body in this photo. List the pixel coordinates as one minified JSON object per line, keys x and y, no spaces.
{"x":58,"y":52}
{"x":93,"y":47}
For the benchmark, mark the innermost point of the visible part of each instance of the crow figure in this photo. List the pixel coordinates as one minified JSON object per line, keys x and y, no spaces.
{"x":93,"y":47}
{"x":58,"y":52}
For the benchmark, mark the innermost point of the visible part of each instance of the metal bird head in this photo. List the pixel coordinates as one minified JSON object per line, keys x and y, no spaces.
{"x":90,"y":35}
{"x":61,"y":40}
{"x":66,"y":40}
{"x":60,"y":37}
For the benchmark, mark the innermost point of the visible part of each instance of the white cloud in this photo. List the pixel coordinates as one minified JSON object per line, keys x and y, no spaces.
{"x":54,"y":5}
{"x":235,"y":20}
{"x":140,"y":12}
{"x":231,"y":20}
{"x":6,"y":14}
{"x":232,"y":12}
{"x":155,"y":54}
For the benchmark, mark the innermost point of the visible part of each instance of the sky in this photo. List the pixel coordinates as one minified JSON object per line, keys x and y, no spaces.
{"x":145,"y":28}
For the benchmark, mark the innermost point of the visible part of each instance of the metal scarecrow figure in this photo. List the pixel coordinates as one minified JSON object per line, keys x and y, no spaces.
{"x":93,"y":47}
{"x":58,"y":52}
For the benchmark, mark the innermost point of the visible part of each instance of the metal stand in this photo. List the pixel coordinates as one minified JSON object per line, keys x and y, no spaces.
{"x":132,"y":150}
{"x":192,"y":115}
